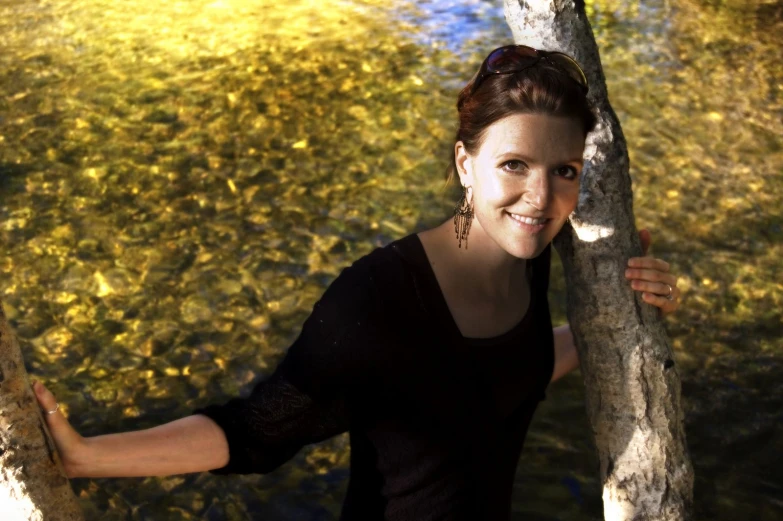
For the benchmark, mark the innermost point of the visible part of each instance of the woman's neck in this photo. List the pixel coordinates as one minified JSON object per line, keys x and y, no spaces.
{"x":485,"y":270}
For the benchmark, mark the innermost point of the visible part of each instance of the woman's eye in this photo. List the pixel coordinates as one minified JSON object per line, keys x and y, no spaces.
{"x":568,"y":172}
{"x":514,"y":166}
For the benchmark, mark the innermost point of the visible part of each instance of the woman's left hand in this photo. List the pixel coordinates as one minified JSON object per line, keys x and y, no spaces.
{"x":651,"y":277}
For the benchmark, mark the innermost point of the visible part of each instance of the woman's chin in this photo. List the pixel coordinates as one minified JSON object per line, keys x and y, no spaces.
{"x":528,"y":245}
{"x":527,"y":249}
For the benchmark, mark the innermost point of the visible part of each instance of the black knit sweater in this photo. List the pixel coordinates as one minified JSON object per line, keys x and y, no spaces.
{"x":436,"y":420}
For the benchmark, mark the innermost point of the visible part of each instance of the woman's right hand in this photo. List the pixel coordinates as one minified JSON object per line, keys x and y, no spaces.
{"x":70,"y":444}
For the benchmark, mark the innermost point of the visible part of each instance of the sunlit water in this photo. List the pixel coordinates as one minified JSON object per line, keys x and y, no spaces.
{"x":180,"y":181}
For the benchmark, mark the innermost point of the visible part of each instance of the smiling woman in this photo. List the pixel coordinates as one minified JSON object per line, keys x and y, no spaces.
{"x":432,"y":356}
{"x":526,"y":169}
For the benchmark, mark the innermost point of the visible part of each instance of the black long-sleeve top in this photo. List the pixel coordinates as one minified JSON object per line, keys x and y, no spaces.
{"x":436,"y":420}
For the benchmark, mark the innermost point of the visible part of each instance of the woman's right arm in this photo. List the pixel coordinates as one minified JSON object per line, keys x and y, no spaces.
{"x":326,"y":372}
{"x":191,"y":444}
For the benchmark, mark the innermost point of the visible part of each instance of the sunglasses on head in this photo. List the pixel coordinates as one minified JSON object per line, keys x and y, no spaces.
{"x":516,"y":58}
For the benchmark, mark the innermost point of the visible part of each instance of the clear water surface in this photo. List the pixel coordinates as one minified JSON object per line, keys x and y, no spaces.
{"x":180,"y":181}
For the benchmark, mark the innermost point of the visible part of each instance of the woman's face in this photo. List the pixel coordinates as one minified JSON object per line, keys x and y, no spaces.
{"x":525,"y":179}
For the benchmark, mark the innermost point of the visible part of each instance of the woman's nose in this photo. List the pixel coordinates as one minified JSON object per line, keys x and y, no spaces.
{"x":537,"y":190}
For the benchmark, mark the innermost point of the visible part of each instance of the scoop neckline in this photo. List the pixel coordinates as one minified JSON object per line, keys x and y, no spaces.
{"x":444,"y":312}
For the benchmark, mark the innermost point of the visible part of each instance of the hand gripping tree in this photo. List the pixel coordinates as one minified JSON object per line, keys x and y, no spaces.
{"x":33,"y":484}
{"x":631,"y":382}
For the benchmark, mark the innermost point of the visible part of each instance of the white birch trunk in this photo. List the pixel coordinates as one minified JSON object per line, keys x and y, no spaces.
{"x":631,"y":382}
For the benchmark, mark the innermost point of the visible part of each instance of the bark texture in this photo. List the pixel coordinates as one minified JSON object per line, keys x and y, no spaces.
{"x":631,"y":381}
{"x":33,"y":484}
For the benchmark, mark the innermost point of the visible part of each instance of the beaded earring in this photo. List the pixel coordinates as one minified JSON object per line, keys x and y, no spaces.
{"x":463,"y":216}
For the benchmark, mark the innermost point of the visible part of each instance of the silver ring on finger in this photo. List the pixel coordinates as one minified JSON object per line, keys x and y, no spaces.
{"x":57,"y":406}
{"x":670,"y":296}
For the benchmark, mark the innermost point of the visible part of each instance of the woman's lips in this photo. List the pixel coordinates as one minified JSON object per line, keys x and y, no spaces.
{"x":530,"y":228}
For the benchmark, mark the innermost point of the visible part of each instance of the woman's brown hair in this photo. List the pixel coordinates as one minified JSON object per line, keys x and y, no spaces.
{"x":540,"y":89}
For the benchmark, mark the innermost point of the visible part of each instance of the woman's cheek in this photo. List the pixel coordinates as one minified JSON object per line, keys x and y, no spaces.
{"x":567,"y":195}
{"x":502,"y":195}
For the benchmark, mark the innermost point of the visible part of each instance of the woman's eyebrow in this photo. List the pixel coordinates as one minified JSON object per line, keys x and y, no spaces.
{"x":526,"y":159}
{"x":516,"y":155}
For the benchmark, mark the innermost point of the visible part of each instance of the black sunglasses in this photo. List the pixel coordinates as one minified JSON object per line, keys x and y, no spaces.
{"x":516,"y":58}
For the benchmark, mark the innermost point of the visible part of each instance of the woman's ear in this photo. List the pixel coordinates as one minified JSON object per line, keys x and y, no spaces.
{"x":464,"y":164}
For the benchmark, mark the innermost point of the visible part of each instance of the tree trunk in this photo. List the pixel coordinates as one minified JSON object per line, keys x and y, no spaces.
{"x":632,"y":385}
{"x":33,"y":485}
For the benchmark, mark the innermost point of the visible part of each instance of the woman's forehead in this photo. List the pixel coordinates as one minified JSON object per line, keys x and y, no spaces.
{"x":534,"y":134}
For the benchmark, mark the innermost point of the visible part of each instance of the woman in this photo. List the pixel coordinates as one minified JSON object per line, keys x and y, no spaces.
{"x":433,"y":356}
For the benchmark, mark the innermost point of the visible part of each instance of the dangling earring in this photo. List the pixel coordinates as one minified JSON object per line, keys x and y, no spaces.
{"x":463,"y":217}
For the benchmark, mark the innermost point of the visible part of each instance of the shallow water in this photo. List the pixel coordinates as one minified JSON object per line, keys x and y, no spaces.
{"x":179,"y":184}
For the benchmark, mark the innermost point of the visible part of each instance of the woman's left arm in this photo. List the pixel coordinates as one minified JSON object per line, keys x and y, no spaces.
{"x":650,"y":276}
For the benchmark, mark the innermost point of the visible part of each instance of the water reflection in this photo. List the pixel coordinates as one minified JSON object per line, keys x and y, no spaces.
{"x":452,"y":23}
{"x":179,"y":185}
